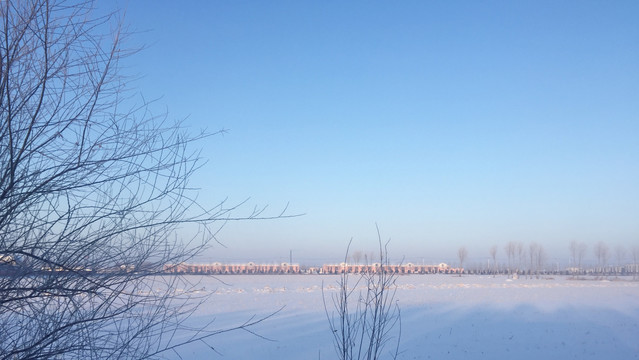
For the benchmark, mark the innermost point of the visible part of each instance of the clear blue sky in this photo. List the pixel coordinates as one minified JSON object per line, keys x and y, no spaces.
{"x":448,"y":123}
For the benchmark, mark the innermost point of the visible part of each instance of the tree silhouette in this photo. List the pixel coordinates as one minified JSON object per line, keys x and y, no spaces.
{"x":462,"y":254}
{"x":93,"y":189}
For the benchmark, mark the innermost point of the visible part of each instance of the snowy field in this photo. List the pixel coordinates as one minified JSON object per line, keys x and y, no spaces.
{"x":443,"y":317}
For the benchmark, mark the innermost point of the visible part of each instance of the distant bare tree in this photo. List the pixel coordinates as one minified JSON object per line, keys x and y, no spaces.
{"x":577,"y":253}
{"x":357,"y":256}
{"x":510,"y":249}
{"x":93,"y":189}
{"x":574,"y":248}
{"x":533,"y":252}
{"x":541,"y":258}
{"x":365,"y":322}
{"x":582,"y":248}
{"x":493,"y":255}
{"x":602,"y":254}
{"x":462,"y":254}
{"x":620,"y":254}
{"x":635,"y":260}
{"x":521,"y":255}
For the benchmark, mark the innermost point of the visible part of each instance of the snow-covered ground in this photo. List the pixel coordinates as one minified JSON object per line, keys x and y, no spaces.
{"x":443,"y":317}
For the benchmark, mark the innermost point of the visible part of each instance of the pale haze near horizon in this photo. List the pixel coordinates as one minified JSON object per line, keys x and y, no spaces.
{"x":447,"y":124}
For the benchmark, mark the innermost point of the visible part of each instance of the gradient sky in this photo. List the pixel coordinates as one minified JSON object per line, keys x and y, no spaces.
{"x":447,"y":123}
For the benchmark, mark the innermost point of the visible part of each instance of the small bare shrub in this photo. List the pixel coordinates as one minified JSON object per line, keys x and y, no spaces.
{"x":366,"y":318}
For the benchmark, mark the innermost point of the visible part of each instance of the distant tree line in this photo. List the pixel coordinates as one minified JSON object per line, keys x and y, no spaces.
{"x":532,"y":259}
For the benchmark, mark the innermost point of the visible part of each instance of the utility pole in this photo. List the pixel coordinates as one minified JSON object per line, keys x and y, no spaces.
{"x":290,"y":257}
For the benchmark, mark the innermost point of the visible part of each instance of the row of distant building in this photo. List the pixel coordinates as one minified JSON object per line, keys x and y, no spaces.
{"x":286,"y":268}
{"x":407,"y":268}
{"x":8,"y":265}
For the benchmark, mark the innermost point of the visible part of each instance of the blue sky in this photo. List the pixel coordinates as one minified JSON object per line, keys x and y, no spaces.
{"x":447,"y":123}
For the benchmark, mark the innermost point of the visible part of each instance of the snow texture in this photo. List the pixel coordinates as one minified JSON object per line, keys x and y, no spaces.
{"x":443,"y":317}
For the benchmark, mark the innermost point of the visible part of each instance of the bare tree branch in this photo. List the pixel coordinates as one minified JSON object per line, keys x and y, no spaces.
{"x":365,"y":331}
{"x":93,"y":190}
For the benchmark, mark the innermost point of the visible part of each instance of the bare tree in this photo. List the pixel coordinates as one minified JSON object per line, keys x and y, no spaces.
{"x":577,"y":253}
{"x":581,"y":254}
{"x":537,"y":255}
{"x":510,"y":249}
{"x":533,"y":252}
{"x":362,"y":330}
{"x":602,"y":254}
{"x":635,"y":261}
{"x":541,"y":258}
{"x":521,"y":255}
{"x":574,"y":248}
{"x":493,"y":255}
{"x":357,"y":256}
{"x":620,"y":254}
{"x":462,"y":254}
{"x":92,"y":191}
